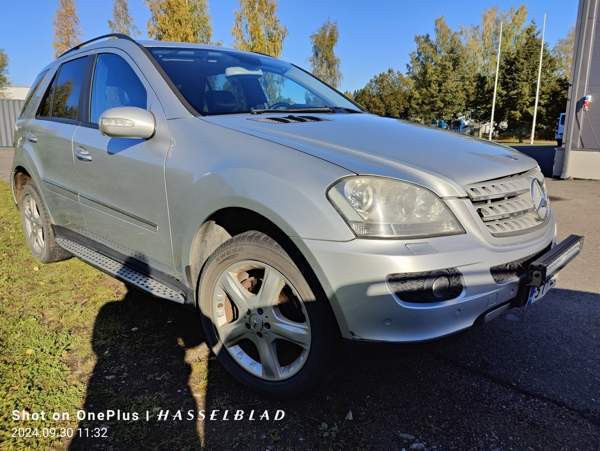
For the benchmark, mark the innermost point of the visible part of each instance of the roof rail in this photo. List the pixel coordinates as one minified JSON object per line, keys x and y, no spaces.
{"x":263,"y":54}
{"x":104,"y":36}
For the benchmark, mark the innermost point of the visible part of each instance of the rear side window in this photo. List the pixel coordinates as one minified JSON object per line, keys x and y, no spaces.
{"x":46,"y":106}
{"x":33,"y":92}
{"x":115,"y":84}
{"x":63,"y":98}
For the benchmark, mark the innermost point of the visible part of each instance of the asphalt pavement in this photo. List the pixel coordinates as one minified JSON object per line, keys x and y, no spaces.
{"x":529,"y":379}
{"x":543,"y":154}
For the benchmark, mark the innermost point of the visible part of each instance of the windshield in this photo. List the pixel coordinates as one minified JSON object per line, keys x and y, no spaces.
{"x":225,"y":82}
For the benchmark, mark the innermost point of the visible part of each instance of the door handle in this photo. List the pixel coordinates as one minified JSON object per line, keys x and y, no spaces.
{"x":31,"y":138}
{"x":82,"y":154}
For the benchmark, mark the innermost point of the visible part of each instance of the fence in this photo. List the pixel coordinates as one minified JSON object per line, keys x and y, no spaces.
{"x":9,"y":112}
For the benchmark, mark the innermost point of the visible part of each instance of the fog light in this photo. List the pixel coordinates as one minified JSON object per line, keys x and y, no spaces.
{"x":440,"y":287}
{"x":432,"y":286}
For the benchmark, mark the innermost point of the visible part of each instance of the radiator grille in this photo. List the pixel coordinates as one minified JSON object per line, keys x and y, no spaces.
{"x":505,"y":205}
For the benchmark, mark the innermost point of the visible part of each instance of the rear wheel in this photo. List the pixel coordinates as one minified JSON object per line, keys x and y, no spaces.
{"x":261,"y":317}
{"x":38,"y":228}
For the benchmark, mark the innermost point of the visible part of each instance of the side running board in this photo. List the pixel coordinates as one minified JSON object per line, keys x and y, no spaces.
{"x":121,"y":271}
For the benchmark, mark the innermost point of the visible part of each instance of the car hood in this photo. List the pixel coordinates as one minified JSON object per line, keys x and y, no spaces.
{"x":367,"y":144}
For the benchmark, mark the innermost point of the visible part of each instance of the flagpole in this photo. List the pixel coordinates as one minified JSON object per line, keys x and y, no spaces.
{"x":537,"y":90}
{"x":495,"y":83}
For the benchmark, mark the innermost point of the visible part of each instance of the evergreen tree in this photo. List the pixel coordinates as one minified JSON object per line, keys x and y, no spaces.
{"x":481,"y":44}
{"x":386,"y":94}
{"x":442,"y":84}
{"x":518,"y":79}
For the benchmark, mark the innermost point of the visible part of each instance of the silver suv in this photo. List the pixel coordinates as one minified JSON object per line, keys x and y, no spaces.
{"x":243,"y":186}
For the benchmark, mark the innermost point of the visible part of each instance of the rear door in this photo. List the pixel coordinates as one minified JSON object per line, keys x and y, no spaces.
{"x":51,"y":133}
{"x":120,"y":181}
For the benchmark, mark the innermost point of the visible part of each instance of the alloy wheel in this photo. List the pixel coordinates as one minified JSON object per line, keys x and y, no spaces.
{"x":34,"y":229}
{"x":261,"y":320}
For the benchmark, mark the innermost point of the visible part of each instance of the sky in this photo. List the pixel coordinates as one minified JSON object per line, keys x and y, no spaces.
{"x":374,"y":35}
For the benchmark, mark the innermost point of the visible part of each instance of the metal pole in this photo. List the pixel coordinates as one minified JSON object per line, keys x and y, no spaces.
{"x":537,"y":90}
{"x":495,"y":84}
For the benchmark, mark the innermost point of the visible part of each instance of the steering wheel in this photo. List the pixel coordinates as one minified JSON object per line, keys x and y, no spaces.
{"x":280,"y":106}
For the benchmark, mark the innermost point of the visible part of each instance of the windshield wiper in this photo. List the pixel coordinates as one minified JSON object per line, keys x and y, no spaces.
{"x":293,"y":110}
{"x":344,"y":109}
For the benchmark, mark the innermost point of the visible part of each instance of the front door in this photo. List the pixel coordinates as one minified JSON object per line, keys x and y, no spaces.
{"x":121,"y":181}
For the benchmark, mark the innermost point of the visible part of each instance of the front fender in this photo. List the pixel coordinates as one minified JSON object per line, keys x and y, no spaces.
{"x":285,"y":186}
{"x":26,"y":158}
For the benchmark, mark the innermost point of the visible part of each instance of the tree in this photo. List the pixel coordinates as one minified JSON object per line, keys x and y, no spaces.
{"x":179,"y":20}
{"x":3,"y":66}
{"x":122,"y":21}
{"x":563,"y":51}
{"x":325,"y":65}
{"x":481,"y":45}
{"x":442,"y":84}
{"x":386,"y":94}
{"x":257,"y":28}
{"x":66,"y":27}
{"x":518,"y":79}
{"x":481,"y":41}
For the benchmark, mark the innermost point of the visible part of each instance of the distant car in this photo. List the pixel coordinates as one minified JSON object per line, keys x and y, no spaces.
{"x":560,"y":129}
{"x":246,"y":188}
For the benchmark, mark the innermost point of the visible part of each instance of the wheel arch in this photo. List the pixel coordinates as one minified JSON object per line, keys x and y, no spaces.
{"x":228,"y":222}
{"x":20,"y":176}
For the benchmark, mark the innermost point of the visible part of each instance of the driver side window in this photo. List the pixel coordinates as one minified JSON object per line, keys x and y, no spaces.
{"x":115,"y":84}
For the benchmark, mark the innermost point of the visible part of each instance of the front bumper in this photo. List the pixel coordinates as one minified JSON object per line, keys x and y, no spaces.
{"x":354,"y":276}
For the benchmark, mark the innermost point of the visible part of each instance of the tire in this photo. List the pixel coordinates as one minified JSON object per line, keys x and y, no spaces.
{"x":37,"y":227}
{"x":296,"y":312}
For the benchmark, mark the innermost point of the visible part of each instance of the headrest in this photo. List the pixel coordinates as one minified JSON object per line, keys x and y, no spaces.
{"x":220,"y":102}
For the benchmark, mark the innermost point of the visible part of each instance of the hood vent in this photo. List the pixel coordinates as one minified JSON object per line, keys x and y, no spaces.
{"x":291,"y":118}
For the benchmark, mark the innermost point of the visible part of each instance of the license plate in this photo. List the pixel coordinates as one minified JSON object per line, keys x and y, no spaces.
{"x":537,"y":293}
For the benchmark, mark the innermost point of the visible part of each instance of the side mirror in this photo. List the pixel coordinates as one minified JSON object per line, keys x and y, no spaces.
{"x":127,"y":122}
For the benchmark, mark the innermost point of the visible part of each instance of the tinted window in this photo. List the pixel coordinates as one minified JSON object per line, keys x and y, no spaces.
{"x":115,"y":84}
{"x":66,"y":93}
{"x":45,"y":107}
{"x":33,"y":91}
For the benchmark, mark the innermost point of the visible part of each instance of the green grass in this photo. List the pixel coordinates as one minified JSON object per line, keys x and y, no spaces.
{"x":74,"y":338}
{"x":46,"y":319}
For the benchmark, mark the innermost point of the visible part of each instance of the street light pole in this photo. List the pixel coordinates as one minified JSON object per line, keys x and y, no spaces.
{"x":495,"y":84}
{"x":537,"y":90}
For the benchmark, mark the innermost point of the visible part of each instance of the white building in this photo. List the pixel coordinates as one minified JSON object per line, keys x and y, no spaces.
{"x":14,"y":92}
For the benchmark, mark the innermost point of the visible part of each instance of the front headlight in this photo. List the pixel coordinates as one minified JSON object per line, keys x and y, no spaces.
{"x":378,"y":207}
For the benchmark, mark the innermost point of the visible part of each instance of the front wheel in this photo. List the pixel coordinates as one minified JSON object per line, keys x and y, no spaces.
{"x":262,"y":319}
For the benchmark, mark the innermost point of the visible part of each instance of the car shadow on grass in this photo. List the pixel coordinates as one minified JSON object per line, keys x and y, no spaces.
{"x":140,"y":344}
